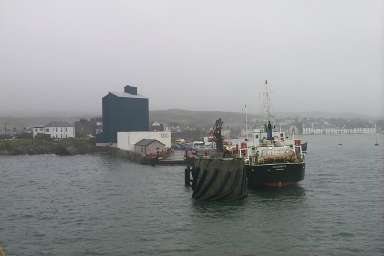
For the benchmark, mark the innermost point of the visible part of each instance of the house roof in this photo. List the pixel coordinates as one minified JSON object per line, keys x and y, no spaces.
{"x":58,"y":124}
{"x":146,"y":142}
{"x":127,"y":95}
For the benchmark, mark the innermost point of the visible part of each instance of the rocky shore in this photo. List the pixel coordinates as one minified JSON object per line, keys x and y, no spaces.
{"x":72,"y":146}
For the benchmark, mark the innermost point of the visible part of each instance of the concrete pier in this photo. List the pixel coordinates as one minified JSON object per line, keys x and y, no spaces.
{"x":219,"y":179}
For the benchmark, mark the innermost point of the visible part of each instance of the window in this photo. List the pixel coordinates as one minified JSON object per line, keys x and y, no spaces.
{"x":56,"y":129}
{"x":46,"y":129}
{"x":66,"y":129}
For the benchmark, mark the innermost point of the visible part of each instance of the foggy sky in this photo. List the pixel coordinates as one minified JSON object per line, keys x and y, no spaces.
{"x":63,"y":56}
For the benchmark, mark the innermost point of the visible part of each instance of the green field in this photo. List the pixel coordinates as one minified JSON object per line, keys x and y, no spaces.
{"x":71,"y":146}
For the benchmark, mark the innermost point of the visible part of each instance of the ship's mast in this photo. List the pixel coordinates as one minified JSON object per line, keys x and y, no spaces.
{"x":246,"y":122}
{"x":267,"y":100}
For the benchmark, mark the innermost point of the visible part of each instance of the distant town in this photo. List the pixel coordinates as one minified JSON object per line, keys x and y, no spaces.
{"x":191,"y":125}
{"x":127,"y":111}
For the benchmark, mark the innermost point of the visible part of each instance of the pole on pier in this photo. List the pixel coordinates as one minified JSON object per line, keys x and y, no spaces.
{"x":187,"y":176}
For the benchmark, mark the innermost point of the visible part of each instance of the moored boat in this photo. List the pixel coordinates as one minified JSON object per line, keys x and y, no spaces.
{"x":275,"y":162}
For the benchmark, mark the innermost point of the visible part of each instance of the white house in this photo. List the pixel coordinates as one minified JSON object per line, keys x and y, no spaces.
{"x":58,"y":130}
{"x":127,"y":140}
{"x":149,"y":147}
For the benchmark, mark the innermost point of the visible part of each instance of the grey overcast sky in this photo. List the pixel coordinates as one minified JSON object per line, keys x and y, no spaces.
{"x":64,"y":55}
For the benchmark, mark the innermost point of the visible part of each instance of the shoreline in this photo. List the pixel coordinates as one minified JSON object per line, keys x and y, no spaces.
{"x":29,"y":146}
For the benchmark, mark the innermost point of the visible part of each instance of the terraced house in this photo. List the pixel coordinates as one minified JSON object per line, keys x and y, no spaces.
{"x":55,"y":130}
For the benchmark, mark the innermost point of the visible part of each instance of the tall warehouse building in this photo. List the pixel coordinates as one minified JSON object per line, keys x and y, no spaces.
{"x":124,"y":112}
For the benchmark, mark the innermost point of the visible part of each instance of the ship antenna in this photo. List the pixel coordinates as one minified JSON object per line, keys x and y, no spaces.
{"x":246,"y":121}
{"x":267,"y":100}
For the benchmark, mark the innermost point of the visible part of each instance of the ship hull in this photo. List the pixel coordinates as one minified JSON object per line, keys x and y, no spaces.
{"x":275,"y":175}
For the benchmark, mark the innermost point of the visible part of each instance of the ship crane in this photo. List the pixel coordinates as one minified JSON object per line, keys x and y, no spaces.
{"x":217,"y":137}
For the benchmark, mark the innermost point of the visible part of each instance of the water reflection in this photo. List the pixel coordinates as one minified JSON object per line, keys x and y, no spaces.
{"x":218,"y":209}
{"x":290,"y":192}
{"x":214,"y":209}
{"x":86,"y":205}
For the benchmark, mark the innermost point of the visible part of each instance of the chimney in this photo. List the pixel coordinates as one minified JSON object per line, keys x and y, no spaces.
{"x":130,"y":89}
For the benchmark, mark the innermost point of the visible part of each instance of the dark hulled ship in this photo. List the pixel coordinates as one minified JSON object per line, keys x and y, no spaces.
{"x":274,"y":174}
{"x":275,"y":161}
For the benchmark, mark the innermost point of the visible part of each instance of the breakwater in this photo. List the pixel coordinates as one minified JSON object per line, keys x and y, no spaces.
{"x":37,"y":147}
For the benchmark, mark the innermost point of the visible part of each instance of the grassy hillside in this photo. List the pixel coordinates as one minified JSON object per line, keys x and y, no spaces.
{"x":201,"y":119}
{"x":198,"y":119}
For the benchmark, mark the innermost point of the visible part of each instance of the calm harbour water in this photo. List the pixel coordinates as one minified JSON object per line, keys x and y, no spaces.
{"x":99,"y":205}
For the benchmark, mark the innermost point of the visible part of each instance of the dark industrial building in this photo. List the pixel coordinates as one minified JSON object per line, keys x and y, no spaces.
{"x":123,"y":112}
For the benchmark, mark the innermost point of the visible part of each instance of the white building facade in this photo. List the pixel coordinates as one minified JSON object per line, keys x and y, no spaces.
{"x":334,"y":131}
{"x":55,"y":130}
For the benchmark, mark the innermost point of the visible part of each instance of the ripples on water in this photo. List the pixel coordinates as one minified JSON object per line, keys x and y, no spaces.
{"x":98,"y":205}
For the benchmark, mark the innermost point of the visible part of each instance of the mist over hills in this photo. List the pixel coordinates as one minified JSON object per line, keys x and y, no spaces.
{"x":203,"y":117}
{"x":198,"y":119}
